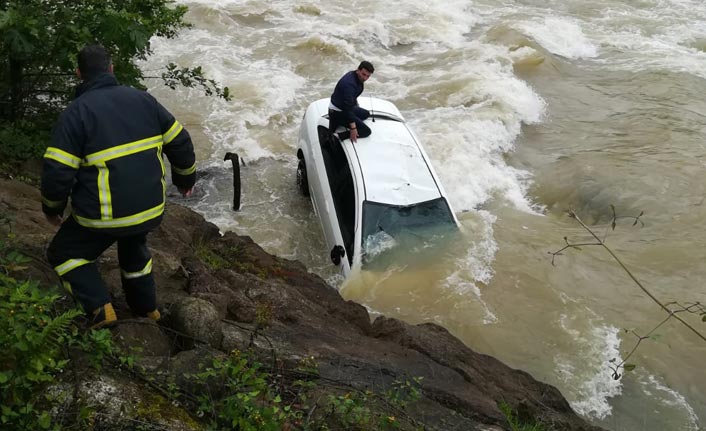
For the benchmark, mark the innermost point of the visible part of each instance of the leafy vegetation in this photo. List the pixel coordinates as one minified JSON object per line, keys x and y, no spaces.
{"x":515,"y":423}
{"x":39,"y":42}
{"x":33,"y":335}
{"x":249,"y":403}
{"x":21,"y":140}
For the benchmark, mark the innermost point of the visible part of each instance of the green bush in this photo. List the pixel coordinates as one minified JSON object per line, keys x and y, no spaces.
{"x":32,"y":336}
{"x":249,"y":404}
{"x":36,"y":336}
{"x":515,"y":423}
{"x":22,"y":140}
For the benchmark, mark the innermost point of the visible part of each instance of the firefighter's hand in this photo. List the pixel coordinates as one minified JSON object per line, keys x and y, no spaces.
{"x":354,"y":135}
{"x":54,"y":220}
{"x":186,"y":192}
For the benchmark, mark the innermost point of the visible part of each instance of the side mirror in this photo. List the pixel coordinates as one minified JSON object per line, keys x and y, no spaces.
{"x":337,"y":252}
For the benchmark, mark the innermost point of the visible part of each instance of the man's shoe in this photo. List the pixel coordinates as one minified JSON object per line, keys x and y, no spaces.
{"x":154,"y":315}
{"x":103,"y":316}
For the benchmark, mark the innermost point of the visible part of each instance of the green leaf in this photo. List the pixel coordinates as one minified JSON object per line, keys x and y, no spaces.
{"x":44,"y":420}
{"x":4,"y":377}
{"x":4,"y":19}
{"x":19,"y":44}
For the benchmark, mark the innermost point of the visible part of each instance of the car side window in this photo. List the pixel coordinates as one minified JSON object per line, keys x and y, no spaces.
{"x":340,"y":181}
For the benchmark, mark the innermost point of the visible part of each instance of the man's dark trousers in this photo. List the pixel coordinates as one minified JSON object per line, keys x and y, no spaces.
{"x":336,"y":119}
{"x":73,"y":253}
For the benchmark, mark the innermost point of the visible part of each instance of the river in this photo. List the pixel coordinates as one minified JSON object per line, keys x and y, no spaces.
{"x":527,"y":109}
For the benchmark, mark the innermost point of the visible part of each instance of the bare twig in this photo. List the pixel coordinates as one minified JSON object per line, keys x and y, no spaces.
{"x":632,"y":276}
{"x":692,"y":307}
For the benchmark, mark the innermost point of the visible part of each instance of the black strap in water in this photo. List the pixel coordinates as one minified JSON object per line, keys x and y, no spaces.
{"x":233,"y":157}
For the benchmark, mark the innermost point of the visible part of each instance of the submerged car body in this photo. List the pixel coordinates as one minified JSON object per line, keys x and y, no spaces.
{"x":370,"y":194}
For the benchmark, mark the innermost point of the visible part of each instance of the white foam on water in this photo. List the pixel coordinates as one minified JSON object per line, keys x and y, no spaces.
{"x":263,"y":90}
{"x":428,"y":22}
{"x":635,"y":36}
{"x":652,"y":36}
{"x":475,"y":265}
{"x":589,"y":383}
{"x":472,"y":116}
{"x":267,"y":90}
{"x":470,"y":147}
{"x":668,"y":49}
{"x":377,"y":243}
{"x":671,"y":398}
{"x":559,"y":35}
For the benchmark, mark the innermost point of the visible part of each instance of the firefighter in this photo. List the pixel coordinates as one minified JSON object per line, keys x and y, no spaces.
{"x":106,"y":154}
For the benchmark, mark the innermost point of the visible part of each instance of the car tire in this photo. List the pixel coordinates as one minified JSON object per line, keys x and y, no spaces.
{"x":302,"y":179}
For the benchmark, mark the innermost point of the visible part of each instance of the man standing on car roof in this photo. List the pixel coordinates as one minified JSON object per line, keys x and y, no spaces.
{"x":343,"y":109}
{"x":106,"y":154}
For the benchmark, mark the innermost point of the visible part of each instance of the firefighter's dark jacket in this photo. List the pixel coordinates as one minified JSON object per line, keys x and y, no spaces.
{"x":106,"y":154}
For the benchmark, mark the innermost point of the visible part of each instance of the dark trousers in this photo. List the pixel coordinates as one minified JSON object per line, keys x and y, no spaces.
{"x":336,"y":118}
{"x":73,"y":253}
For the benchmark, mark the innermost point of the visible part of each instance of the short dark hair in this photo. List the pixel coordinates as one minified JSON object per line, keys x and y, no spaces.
{"x":367,"y":66}
{"x":92,"y":61}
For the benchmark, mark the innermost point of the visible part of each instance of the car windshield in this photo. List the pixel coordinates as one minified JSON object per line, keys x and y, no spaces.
{"x":389,"y":230}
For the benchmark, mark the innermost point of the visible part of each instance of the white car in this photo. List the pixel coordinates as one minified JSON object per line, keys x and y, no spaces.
{"x":378,"y":194}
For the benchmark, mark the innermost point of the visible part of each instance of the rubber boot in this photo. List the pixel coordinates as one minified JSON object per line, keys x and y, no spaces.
{"x":103,"y":316}
{"x":154,"y":315}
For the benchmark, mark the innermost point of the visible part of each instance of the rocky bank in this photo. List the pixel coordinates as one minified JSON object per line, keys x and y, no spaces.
{"x":224,"y":293}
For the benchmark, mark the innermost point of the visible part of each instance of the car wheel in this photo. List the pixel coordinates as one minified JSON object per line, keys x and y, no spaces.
{"x":302,"y":180}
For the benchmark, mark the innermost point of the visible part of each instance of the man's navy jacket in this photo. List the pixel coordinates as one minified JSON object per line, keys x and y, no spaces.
{"x":345,"y":95}
{"x":106,"y":154}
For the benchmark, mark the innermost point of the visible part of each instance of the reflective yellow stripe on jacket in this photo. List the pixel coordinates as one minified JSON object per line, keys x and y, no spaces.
{"x":164,"y":173}
{"x":123,"y":150}
{"x":132,"y":220}
{"x":172,"y":132}
{"x":99,"y":160}
{"x":187,"y":171}
{"x":169,"y":137}
{"x":52,"y":204}
{"x":105,"y":197}
{"x":62,"y":157}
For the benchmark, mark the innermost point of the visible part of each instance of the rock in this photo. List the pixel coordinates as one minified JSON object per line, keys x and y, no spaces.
{"x":198,"y":320}
{"x":488,"y":379}
{"x":225,"y":292}
{"x":119,"y":404}
{"x":142,"y":337}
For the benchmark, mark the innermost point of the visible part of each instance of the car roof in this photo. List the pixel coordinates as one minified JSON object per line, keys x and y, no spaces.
{"x":393,"y":165}
{"x":394,"y":169}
